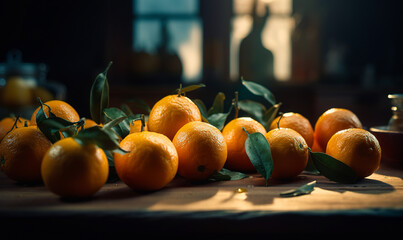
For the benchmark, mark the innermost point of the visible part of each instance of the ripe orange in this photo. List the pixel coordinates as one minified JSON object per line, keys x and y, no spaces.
{"x":357,"y":148}
{"x":235,"y":138}
{"x":332,"y":121}
{"x":43,"y":93}
{"x":71,"y":169}
{"x":89,"y":123}
{"x":60,"y":109}
{"x":201,"y":150}
{"x":21,"y":153}
{"x":296,"y":122}
{"x":8,"y":122}
{"x":135,"y":126}
{"x":289,"y":152}
{"x":16,"y":93}
{"x":316,"y":148}
{"x":151,"y":163}
{"x":170,"y":113}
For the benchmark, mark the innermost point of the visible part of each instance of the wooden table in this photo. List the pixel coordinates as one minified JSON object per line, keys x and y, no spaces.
{"x":373,"y":205}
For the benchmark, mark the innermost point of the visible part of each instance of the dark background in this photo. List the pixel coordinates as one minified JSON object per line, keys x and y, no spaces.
{"x":77,"y":39}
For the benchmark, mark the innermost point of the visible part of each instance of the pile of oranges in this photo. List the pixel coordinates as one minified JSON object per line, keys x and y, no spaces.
{"x":176,"y":140}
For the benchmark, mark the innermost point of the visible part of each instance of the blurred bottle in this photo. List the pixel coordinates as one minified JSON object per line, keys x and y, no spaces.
{"x":256,"y":62}
{"x":396,"y":121}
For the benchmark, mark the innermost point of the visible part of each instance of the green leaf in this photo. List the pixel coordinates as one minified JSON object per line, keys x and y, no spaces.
{"x":52,"y":126}
{"x":189,"y":88}
{"x":141,"y":104}
{"x":114,"y":122}
{"x":123,"y":128}
{"x":218,"y":119}
{"x":227,"y":175}
{"x":260,"y":90}
{"x":270,"y":114}
{"x":99,"y":96}
{"x":310,"y":166}
{"x":218,"y":104}
{"x":100,"y":137}
{"x":332,"y":168}
{"x":109,"y":156}
{"x":41,"y":115}
{"x":234,"y":175}
{"x":304,"y":189}
{"x":253,"y":108}
{"x":126,"y":109}
{"x":202,"y":107}
{"x":258,"y":150}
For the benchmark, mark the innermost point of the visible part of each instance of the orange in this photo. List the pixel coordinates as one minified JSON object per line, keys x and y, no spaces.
{"x":235,"y":138}
{"x":60,"y":109}
{"x":201,"y":150}
{"x":43,"y":93}
{"x":16,"y":93}
{"x":151,"y":163}
{"x":8,"y":122}
{"x":72,"y":169}
{"x":316,"y":147}
{"x":357,"y":148}
{"x":170,"y":113}
{"x":135,"y":126}
{"x":296,"y":122}
{"x":289,"y":152}
{"x":89,"y":123}
{"x":332,"y":121}
{"x":21,"y":153}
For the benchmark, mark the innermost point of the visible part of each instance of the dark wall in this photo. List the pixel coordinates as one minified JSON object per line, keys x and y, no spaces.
{"x":368,"y":30}
{"x":77,"y":39}
{"x":70,"y":38}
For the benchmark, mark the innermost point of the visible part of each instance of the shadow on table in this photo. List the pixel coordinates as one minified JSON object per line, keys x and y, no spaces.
{"x":364,"y":186}
{"x":178,"y":192}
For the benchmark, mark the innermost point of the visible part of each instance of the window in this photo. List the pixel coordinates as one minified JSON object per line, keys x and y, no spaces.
{"x":273,"y":35}
{"x":173,"y":28}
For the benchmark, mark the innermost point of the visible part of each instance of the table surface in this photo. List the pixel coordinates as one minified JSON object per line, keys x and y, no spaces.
{"x":372,"y":200}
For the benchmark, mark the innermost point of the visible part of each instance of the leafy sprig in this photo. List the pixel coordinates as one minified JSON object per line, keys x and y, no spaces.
{"x":215,"y":115}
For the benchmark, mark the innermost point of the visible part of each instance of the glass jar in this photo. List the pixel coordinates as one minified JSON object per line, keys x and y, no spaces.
{"x":32,"y":74}
{"x":396,"y":121}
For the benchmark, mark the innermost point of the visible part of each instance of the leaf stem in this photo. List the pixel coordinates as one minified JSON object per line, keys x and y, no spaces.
{"x":278,"y":122}
{"x":180,"y":90}
{"x":40,"y":101}
{"x":79,"y":125}
{"x":245,"y":131}
{"x":14,"y":125}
